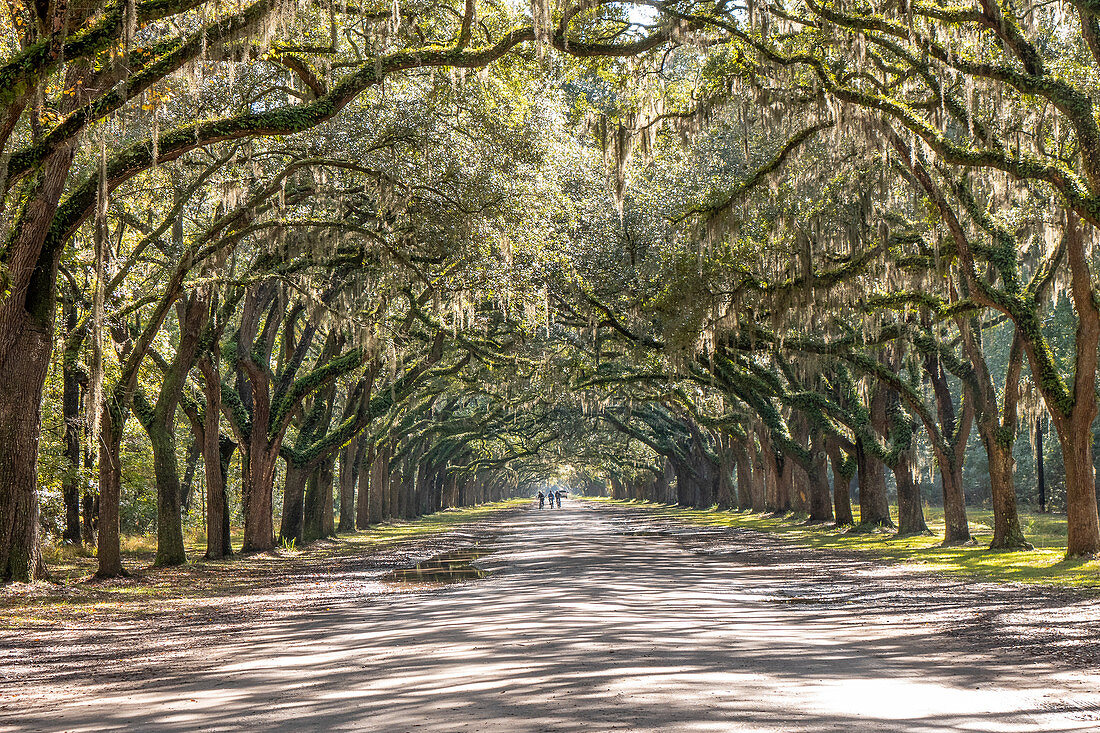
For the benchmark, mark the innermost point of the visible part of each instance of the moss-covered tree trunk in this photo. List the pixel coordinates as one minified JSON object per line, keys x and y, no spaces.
{"x":820,"y":502}
{"x":26,"y":340}
{"x":73,"y":381}
{"x":318,"y":505}
{"x":349,"y":475}
{"x":292,"y":524}
{"x":170,"y":549}
{"x":744,"y":477}
{"x":109,"y":551}
{"x":726,"y":463}
{"x":874,"y":508}
{"x":215,"y":461}
{"x":20,"y":394}
{"x":910,"y":506}
{"x":258,"y":481}
{"x":844,"y":468}
{"x":368,"y":501}
{"x":1074,"y":425}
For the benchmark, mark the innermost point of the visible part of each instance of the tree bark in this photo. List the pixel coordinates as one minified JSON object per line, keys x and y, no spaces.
{"x":73,"y":381}
{"x":292,"y":527}
{"x":215,"y":462}
{"x":910,"y":507}
{"x":1074,"y":427}
{"x":26,"y":340}
{"x":843,"y":470}
{"x":349,"y":474}
{"x":874,"y":509}
{"x":820,"y":504}
{"x":109,"y":552}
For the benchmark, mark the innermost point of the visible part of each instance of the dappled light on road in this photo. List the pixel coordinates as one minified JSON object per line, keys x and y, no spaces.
{"x":582,"y":625}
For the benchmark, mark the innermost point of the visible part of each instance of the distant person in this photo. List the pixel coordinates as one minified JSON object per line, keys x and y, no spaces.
{"x":557,"y":496}
{"x":542,"y":500}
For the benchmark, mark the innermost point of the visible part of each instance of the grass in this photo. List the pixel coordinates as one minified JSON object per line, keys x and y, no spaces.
{"x":1046,"y":564}
{"x":73,"y":595}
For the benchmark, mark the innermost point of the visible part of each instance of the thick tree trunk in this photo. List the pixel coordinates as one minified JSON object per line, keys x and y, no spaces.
{"x":843,"y":470}
{"x":170,"y":549}
{"x":318,"y":506}
{"x":744,"y":479}
{"x":259,"y":478}
{"x":24,"y":369}
{"x":72,"y":388}
{"x":957,"y":528}
{"x":109,"y":552}
{"x":820,"y":503}
{"x":784,"y":484}
{"x":910,"y":507}
{"x":874,"y":509}
{"x":1007,"y":533}
{"x":1081,"y":512}
{"x":292,"y":527}
{"x":20,"y":398}
{"x":367,"y":492}
{"x":349,"y":474}
{"x":726,"y":462}
{"x":215,"y":462}
{"x":26,"y":340}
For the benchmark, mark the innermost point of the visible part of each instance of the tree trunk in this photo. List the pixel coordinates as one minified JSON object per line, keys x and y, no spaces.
{"x":726,"y":462}
{"x":874,"y":509}
{"x":215,"y":462}
{"x":1073,"y":408}
{"x":1040,"y":470}
{"x":744,"y":479}
{"x":292,"y":528}
{"x":89,"y":517}
{"x":26,"y":340}
{"x":259,"y":478}
{"x":1081,"y":512}
{"x":1007,"y":533}
{"x":910,"y":507}
{"x":20,"y":398}
{"x":109,"y":552}
{"x":367,"y":493}
{"x":170,"y":549}
{"x":820,"y":504}
{"x":349,"y":473}
{"x":784,"y":483}
{"x":957,"y":529}
{"x":318,"y":505}
{"x":314,"y":507}
{"x":187,"y":483}
{"x":73,"y":380}
{"x":843,"y":470}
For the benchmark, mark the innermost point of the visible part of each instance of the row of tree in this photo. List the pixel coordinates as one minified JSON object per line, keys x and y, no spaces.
{"x":375,"y":261}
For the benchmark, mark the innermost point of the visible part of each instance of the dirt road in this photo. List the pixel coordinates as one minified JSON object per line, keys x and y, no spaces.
{"x":596,"y":619}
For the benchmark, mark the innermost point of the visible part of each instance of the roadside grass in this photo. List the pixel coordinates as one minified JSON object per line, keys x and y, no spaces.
{"x":72,"y":593}
{"x":1046,"y":564}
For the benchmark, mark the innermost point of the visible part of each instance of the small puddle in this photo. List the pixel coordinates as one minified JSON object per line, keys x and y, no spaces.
{"x":449,"y":567}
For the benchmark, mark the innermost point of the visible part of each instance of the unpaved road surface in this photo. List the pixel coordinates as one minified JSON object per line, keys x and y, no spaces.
{"x":594,"y":618}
